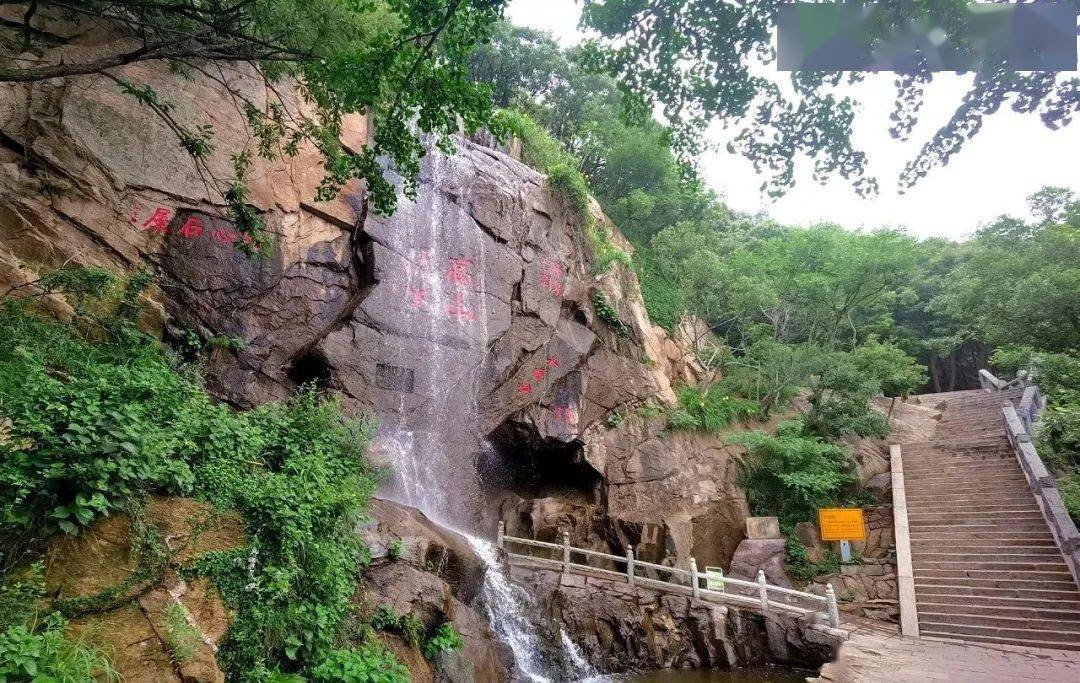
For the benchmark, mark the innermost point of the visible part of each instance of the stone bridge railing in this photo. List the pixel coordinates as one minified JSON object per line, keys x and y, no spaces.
{"x":1019,"y":423}
{"x":756,"y":595}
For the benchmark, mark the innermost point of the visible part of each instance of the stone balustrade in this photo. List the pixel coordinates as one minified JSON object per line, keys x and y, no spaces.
{"x":1019,"y":423}
{"x":759,"y":595}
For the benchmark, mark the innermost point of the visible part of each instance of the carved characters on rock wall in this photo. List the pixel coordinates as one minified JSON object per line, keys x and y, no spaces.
{"x":158,"y":220}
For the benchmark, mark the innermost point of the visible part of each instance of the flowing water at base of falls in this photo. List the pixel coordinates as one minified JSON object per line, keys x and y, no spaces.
{"x":505,"y":604}
{"x":576,"y":661}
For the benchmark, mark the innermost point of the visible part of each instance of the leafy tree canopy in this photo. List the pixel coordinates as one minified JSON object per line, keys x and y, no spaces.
{"x":403,"y":62}
{"x":702,"y":61}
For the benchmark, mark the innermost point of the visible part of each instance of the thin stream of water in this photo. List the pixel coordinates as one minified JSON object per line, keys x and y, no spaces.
{"x":441,"y":287}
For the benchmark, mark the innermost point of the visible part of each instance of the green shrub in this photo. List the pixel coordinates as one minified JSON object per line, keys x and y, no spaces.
{"x":607,"y":313}
{"x":396,"y":549}
{"x":799,"y":566}
{"x":569,"y":186}
{"x":709,"y":411}
{"x":791,"y":475}
{"x":36,"y":646}
{"x":663,"y":299}
{"x":768,"y":372}
{"x":605,"y":252}
{"x":840,"y":401}
{"x":1069,"y":487}
{"x":181,"y":638}
{"x":369,"y":664}
{"x":98,"y":423}
{"x":405,"y":625}
{"x":896,"y":373}
{"x":446,"y":638}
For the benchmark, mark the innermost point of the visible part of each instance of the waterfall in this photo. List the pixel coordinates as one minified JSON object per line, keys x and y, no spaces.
{"x":576,"y":661}
{"x":505,"y":604}
{"x":434,"y":282}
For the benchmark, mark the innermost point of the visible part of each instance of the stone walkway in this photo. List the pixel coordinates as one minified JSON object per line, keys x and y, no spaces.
{"x":877,"y":652}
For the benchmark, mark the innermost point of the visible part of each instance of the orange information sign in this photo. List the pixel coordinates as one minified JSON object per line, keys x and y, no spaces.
{"x":842,"y":524}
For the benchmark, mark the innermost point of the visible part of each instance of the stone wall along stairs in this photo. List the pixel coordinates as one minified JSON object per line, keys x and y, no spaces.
{"x":986,"y":566}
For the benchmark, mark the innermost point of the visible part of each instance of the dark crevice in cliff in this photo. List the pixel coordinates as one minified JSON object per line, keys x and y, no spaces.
{"x":530,"y":465}
{"x":312,"y":368}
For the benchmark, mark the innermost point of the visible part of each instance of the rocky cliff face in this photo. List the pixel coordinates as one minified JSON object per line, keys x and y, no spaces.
{"x":464,"y":321}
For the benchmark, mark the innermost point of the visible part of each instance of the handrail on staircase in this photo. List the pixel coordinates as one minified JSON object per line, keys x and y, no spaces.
{"x":1019,"y":424}
{"x":757,"y":594}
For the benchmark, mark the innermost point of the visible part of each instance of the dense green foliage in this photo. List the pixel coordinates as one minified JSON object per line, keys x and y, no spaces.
{"x":709,"y":410}
{"x":96,"y":418}
{"x":791,"y":474}
{"x":33,"y":643}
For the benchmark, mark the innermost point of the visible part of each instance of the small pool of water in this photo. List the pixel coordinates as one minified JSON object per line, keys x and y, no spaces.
{"x":765,"y":674}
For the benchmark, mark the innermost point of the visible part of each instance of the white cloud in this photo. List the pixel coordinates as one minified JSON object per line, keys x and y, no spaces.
{"x":1013,"y":156}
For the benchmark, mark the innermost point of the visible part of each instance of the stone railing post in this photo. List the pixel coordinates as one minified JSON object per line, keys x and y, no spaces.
{"x":695,"y":587}
{"x":834,"y":611}
{"x":566,"y":551}
{"x":499,"y":537}
{"x":763,"y":590}
{"x":630,"y":564}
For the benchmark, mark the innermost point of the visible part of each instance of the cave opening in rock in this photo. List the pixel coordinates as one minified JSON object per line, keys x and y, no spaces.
{"x":523,"y":462}
{"x":311,"y":367}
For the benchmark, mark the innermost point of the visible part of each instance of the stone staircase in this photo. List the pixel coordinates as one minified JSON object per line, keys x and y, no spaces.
{"x":986,"y":566}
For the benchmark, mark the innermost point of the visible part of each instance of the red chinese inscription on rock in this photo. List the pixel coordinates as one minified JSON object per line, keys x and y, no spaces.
{"x":417,"y":297}
{"x":192,"y":228}
{"x":538,"y":374}
{"x":459,"y":274}
{"x":225,"y":236}
{"x":459,"y":310}
{"x":565,"y":414}
{"x":524,"y":388}
{"x":552,"y":276}
{"x":552,"y":362}
{"x":158,"y":221}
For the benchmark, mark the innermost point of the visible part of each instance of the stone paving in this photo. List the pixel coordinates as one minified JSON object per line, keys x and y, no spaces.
{"x":877,"y":652}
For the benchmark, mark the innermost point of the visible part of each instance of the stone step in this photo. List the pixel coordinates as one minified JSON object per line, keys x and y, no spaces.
{"x":927,"y":469}
{"x":975,"y":498}
{"x":1018,"y":498}
{"x":1019,"y":526}
{"x":963,"y":575}
{"x":916,"y":473}
{"x":1004,"y":597}
{"x":991,"y":583}
{"x":989,"y":516}
{"x":1025,"y":642}
{"x":987,"y":621}
{"x":1020,"y":636}
{"x":989,"y":563}
{"x":962,"y":482}
{"x":996,"y":550}
{"x":960,"y":506}
{"x":1007,"y":536}
{"x":1010,"y":512}
{"x":945,"y":554}
{"x":1051,"y":611}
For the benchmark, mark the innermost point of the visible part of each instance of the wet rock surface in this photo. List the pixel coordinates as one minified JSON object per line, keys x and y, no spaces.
{"x":431,"y":573}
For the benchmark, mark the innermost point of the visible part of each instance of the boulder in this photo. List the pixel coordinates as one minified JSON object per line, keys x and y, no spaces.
{"x":810,"y":536}
{"x":766,"y":555}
